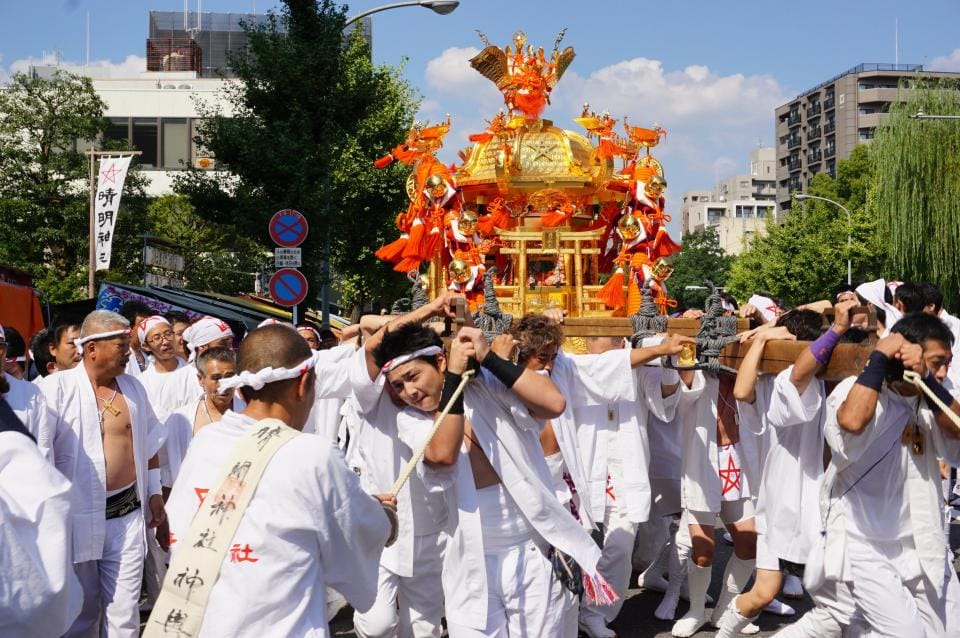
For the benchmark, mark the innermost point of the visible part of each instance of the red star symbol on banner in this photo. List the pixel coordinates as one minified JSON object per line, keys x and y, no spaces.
{"x":730,"y":476}
{"x":201,"y":493}
{"x":110,"y":174}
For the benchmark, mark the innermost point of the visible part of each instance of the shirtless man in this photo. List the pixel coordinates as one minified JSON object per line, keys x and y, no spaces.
{"x":107,"y":441}
{"x":183,"y":424}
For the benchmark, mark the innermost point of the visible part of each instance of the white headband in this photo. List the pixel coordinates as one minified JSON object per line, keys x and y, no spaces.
{"x":257,"y":380}
{"x":313,"y":330}
{"x":204,"y":332}
{"x":429,"y":351}
{"x":97,"y":336}
{"x":149,"y":324}
{"x":269,"y":321}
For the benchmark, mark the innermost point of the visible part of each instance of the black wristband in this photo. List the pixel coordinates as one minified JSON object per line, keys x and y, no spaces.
{"x":451,"y":380}
{"x":941,"y":393}
{"x":875,"y":372}
{"x":506,"y":371}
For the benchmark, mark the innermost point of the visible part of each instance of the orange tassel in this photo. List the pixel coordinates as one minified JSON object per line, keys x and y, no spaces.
{"x":612,"y":292}
{"x":432,"y":243}
{"x":664,"y":246}
{"x":407,"y":264}
{"x":481,"y":138}
{"x":556,"y":218}
{"x":384,"y":161}
{"x":393,"y":251}
{"x":415,"y":244}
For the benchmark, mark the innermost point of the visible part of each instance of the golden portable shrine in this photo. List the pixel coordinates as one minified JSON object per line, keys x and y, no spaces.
{"x":558,"y":218}
{"x":536,"y":217}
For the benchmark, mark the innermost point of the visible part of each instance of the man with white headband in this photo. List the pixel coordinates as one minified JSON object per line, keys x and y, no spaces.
{"x":30,"y":406}
{"x":184,"y":423}
{"x":108,"y":450}
{"x":165,"y":389}
{"x":134,"y":312}
{"x":298,"y":518}
{"x":204,"y":334}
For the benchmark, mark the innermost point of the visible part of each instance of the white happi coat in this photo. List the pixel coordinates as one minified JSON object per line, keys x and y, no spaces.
{"x":381,"y":444}
{"x":627,"y":429}
{"x":700,"y":487}
{"x":509,"y":436}
{"x":39,"y":592}
{"x":30,"y":406}
{"x":870,"y":510}
{"x":78,"y":451}
{"x":309,"y":525}
{"x":169,"y":391}
{"x":332,"y":388}
{"x":179,"y":426}
{"x":788,"y":509}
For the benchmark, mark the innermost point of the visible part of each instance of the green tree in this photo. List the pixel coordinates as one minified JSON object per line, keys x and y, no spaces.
{"x":916,"y":193}
{"x":216,"y":258}
{"x":309,"y":114}
{"x":701,"y":258}
{"x":805,"y":257}
{"x":43,"y":194}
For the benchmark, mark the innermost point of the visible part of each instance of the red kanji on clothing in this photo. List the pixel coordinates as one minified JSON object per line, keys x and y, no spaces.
{"x":242,"y":554}
{"x":610,"y":489}
{"x":173,"y":539}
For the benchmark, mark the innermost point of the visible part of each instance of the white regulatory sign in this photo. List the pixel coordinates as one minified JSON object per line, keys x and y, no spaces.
{"x":286,"y":257}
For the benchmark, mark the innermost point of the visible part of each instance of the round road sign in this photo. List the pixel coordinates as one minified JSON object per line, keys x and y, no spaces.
{"x":288,"y":287}
{"x":288,"y":228}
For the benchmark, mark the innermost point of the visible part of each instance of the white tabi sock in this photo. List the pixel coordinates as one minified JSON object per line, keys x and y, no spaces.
{"x":699,"y":581}
{"x":677,"y":562}
{"x":731,"y":621}
{"x":735,"y":578}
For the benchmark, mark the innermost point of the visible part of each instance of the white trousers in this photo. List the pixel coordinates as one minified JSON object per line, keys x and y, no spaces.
{"x":408,"y":607}
{"x":111,"y":585}
{"x":894,"y":598}
{"x":615,"y":562}
{"x":523,"y":598}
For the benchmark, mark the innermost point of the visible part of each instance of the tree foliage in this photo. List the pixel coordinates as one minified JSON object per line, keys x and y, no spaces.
{"x":43,"y":194}
{"x":916,"y":193}
{"x":701,"y":258}
{"x":309,"y":114}
{"x":805,"y":257}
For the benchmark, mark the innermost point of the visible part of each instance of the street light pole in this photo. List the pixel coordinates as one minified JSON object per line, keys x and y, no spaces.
{"x":443,"y":7}
{"x":803,"y":196}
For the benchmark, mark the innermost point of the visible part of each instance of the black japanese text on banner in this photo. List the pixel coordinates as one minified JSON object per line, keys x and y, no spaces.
{"x":113,"y":172}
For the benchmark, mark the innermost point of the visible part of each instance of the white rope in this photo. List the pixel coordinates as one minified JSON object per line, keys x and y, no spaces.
{"x":915,"y":379}
{"x":411,"y":465}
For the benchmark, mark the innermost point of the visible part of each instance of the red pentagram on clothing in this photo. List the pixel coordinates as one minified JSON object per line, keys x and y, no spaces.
{"x":110,"y":174}
{"x":730,"y":476}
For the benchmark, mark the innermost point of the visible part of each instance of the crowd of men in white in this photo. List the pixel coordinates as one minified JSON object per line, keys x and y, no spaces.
{"x":523,"y":516}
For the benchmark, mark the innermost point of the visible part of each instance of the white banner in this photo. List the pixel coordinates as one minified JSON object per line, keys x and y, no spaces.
{"x":113,"y":172}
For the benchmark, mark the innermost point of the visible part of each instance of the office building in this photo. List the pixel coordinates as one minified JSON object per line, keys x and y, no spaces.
{"x":738,"y":207}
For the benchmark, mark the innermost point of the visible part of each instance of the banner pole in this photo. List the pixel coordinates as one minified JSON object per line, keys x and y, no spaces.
{"x":92,"y":254}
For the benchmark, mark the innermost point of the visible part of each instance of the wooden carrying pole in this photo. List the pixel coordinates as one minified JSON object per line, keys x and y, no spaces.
{"x":93,"y":154}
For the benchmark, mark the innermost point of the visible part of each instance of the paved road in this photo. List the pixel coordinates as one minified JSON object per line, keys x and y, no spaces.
{"x":636,"y":620}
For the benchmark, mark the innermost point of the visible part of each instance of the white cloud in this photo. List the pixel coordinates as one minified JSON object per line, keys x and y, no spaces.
{"x":131,"y":66}
{"x":949,"y":62}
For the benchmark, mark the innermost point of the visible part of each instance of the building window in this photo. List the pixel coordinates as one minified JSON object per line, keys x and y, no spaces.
{"x":176,"y":143}
{"x":145,"y":140}
{"x":866,"y":134}
{"x":744,"y":211}
{"x":118,"y":129}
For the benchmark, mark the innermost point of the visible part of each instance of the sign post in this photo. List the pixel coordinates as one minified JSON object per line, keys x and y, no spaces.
{"x":288,"y":287}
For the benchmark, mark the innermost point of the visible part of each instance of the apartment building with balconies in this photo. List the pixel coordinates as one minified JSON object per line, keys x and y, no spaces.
{"x":823,"y":125}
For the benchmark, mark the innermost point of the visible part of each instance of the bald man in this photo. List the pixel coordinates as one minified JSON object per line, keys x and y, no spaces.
{"x":307,"y":525}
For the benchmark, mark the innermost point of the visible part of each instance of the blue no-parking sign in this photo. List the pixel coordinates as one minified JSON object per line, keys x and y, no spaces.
{"x":288,"y":287}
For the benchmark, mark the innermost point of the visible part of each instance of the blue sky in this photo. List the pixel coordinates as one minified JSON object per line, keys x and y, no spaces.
{"x":710,"y":72}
